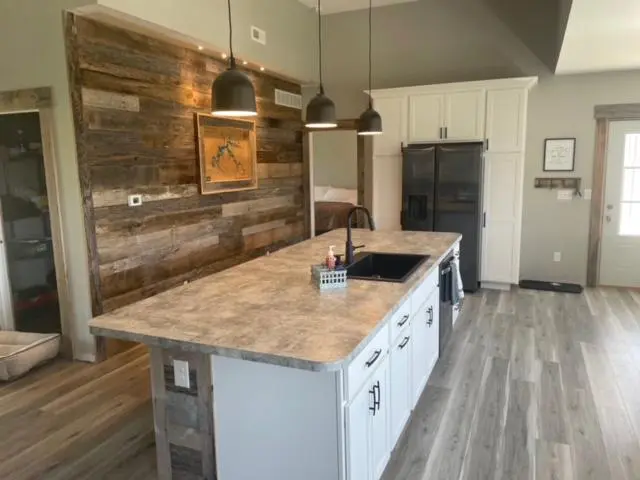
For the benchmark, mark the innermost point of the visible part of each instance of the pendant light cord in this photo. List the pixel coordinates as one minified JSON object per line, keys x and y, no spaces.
{"x":370,"y":56}
{"x":232,"y":59}
{"x":320,"y":45}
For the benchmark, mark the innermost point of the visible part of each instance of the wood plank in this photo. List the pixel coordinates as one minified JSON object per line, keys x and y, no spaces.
{"x":25,"y":99}
{"x":597,"y":201}
{"x":553,"y":424}
{"x":554,"y":461}
{"x":518,"y":459}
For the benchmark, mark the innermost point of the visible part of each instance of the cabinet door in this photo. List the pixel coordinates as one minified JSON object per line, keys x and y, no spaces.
{"x":505,"y":120}
{"x":426,"y":117}
{"x":464,"y":115}
{"x":359,"y":416}
{"x":393,"y":111}
{"x":502,"y":190}
{"x":400,"y":384}
{"x":420,"y":354}
{"x":433,"y":333}
{"x":380,"y":448}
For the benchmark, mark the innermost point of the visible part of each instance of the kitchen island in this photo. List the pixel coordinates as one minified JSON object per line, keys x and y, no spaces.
{"x":257,"y":374}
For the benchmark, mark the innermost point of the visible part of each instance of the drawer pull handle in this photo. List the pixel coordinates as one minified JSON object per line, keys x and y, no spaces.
{"x":405,"y":319}
{"x":404,"y":343}
{"x":376,"y":402}
{"x":373,"y":358}
{"x":430,"y":314}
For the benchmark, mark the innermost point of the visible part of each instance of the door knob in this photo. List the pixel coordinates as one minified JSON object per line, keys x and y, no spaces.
{"x":608,"y":217}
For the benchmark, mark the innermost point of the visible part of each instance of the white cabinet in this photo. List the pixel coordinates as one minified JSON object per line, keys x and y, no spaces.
{"x":400,"y":375}
{"x":424,"y":333}
{"x":393,"y":111}
{"x":367,"y":432}
{"x":506,"y":119}
{"x":464,"y":115}
{"x":502,"y":205}
{"x":426,"y":117}
{"x":455,"y":115}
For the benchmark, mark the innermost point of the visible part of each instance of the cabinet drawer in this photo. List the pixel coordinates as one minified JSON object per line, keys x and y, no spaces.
{"x":424,"y":291}
{"x":400,"y":320}
{"x":367,"y":361}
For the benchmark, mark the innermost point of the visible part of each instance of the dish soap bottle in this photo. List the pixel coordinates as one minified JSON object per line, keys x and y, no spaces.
{"x":330,"y":261}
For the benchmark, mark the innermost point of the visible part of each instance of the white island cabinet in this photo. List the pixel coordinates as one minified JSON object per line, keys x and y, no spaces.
{"x":285,"y":382}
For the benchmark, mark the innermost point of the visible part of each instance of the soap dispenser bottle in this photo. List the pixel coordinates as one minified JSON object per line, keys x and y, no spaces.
{"x":330,"y":261}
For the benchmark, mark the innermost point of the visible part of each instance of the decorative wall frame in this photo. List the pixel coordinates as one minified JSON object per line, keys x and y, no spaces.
{"x":226,"y":154}
{"x":559,"y":155}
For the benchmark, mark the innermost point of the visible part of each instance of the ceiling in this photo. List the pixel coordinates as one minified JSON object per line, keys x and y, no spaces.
{"x":335,"y":6}
{"x":601,"y":35}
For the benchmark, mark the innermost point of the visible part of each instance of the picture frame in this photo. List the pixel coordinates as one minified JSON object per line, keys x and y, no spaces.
{"x":559,"y":155}
{"x":227,"y":154}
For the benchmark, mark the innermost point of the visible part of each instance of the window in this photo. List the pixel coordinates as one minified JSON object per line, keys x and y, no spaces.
{"x":630,"y":203}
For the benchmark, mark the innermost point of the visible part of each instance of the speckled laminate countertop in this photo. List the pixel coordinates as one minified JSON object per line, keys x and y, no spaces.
{"x":268,"y":310}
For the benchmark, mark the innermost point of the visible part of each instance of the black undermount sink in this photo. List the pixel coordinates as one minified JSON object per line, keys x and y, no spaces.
{"x":385,"y":267}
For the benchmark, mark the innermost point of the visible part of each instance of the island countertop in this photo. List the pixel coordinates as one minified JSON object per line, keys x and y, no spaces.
{"x":268,"y":310}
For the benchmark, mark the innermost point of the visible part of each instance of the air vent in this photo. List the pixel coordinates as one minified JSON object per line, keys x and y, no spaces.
{"x":258,"y":35}
{"x":288,"y":99}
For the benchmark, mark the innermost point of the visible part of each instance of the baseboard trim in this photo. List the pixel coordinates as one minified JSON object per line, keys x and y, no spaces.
{"x":505,"y":287}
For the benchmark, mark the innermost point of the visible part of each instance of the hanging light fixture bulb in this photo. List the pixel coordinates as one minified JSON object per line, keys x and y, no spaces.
{"x":370,"y":122}
{"x":321,"y":111}
{"x":233,"y":93}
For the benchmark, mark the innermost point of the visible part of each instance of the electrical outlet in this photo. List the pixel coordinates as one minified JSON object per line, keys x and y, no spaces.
{"x":135,"y":200}
{"x":564,"y":194}
{"x":557,"y":256}
{"x":258,"y":35}
{"x":181,"y":374}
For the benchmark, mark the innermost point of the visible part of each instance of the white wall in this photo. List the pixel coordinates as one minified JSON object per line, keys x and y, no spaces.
{"x":562,"y":106}
{"x":335,"y":159}
{"x":290,"y":26}
{"x":32,"y":54}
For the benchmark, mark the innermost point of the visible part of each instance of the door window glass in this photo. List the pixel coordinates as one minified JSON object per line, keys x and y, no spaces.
{"x":630,"y":202}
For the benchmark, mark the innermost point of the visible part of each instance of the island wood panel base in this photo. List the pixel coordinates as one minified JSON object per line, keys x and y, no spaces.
{"x":183,"y":418}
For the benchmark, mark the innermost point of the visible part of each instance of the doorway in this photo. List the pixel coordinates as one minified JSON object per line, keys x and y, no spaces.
{"x":620,"y":250}
{"x":28,"y":283}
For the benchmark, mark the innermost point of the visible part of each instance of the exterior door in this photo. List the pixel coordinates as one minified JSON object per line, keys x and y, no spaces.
{"x":620,"y":251}
{"x":6,"y":307}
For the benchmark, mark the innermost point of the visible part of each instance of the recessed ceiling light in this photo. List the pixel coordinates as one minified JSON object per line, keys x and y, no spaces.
{"x":262,"y":69}
{"x":200,"y":47}
{"x":224,"y":55}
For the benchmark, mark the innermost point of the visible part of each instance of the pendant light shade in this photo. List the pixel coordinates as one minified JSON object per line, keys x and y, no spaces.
{"x":321,"y":111}
{"x":232,"y":92}
{"x":370,"y":122}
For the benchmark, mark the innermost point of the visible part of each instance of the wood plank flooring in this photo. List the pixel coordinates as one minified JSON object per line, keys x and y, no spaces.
{"x":70,"y":420}
{"x":534,"y":386}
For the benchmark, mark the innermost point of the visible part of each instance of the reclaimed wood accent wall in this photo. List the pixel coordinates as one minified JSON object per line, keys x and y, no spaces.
{"x":134,"y":100}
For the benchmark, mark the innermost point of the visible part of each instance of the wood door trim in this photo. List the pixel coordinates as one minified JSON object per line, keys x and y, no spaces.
{"x":604,"y":115}
{"x":27,"y":99}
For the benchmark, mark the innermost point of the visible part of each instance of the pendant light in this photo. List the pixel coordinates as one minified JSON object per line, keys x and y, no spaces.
{"x":370,"y":122}
{"x":232,"y":91}
{"x":321,"y":112}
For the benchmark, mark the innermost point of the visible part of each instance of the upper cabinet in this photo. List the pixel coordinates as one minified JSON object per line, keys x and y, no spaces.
{"x":426,"y":117}
{"x":464,"y":115}
{"x":393,"y":111}
{"x":506,"y":120}
{"x":454,"y":115}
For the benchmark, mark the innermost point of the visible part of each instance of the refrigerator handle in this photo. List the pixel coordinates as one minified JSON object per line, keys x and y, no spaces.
{"x":484,"y":220}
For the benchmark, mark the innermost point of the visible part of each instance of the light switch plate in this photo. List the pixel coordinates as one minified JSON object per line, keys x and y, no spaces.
{"x":557,"y":256}
{"x":564,"y":194}
{"x":181,"y":374}
{"x":587,"y":194}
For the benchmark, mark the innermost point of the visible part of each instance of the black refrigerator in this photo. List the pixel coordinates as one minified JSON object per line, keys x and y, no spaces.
{"x":442,"y":192}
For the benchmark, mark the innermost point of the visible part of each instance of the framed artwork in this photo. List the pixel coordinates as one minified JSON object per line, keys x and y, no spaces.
{"x":559,"y":154}
{"x":227,"y":154}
